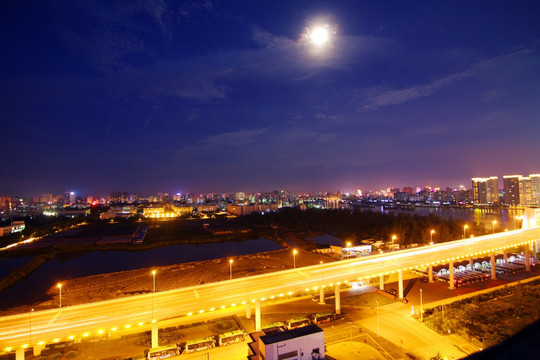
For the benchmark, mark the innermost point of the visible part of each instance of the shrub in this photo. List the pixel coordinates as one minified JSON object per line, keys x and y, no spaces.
{"x":72,"y":354}
{"x":55,"y":356}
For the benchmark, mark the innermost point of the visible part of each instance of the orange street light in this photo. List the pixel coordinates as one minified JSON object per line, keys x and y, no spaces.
{"x":465,"y":231}
{"x":294,"y":257}
{"x":493,"y":225}
{"x":431,"y":235}
{"x":59,"y":286}
{"x":394,"y":237}
{"x":230,"y":268}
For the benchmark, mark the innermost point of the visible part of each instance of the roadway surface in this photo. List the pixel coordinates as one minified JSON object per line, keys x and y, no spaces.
{"x":126,"y":314}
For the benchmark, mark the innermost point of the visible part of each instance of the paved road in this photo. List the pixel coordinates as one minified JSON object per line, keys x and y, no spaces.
{"x":112,"y":315}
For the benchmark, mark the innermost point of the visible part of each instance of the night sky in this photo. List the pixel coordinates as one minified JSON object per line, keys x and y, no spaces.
{"x":218,"y":96}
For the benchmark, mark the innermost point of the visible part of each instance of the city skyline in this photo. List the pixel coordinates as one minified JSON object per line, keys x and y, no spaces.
{"x":418,"y":186}
{"x":307,"y":96}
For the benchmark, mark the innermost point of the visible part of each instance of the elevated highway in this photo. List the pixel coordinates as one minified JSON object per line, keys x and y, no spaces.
{"x":39,"y":328}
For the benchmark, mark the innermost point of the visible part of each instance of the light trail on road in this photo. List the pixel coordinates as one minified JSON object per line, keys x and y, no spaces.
{"x":129,"y":313}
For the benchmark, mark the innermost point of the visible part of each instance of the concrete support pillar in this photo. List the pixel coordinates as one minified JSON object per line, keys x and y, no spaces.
{"x":400,"y":284}
{"x":321,"y":296}
{"x":527,"y":257}
{"x":505,"y":256}
{"x":19,"y":354}
{"x":430,"y":272}
{"x":258,"y":326}
{"x":381,"y":282}
{"x":471,"y":263}
{"x":492,"y":264}
{"x":451,"y":270}
{"x":37,"y":349}
{"x":338,"y":299}
{"x":155,"y":335}
{"x":248,"y":310}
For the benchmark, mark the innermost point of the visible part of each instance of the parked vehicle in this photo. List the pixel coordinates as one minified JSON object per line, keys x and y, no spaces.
{"x":200,"y":344}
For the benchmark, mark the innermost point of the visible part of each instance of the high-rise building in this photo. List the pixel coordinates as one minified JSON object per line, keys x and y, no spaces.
{"x":529,"y":190}
{"x":486,"y":190}
{"x":535,"y":188}
{"x":69,"y":198}
{"x":240,"y":196}
{"x":5,"y":204}
{"x":525,"y":193}
{"x":511,"y":189}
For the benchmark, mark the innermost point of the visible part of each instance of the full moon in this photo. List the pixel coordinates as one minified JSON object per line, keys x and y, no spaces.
{"x":319,"y":36}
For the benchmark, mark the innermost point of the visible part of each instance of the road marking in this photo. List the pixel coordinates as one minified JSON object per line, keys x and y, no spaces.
{"x":196,"y":293}
{"x":55,"y":317}
{"x":303,"y":273}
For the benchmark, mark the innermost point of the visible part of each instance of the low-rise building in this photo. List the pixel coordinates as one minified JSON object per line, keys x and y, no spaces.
{"x":158,"y":212}
{"x":304,"y":343}
{"x":244,"y":209}
{"x":183,"y":210}
{"x":66,"y":212}
{"x":16,"y":226}
{"x":124,"y":211}
{"x":207,"y":208}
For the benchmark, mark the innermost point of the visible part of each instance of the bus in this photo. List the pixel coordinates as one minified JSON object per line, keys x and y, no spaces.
{"x":200,"y":344}
{"x":231,"y":337}
{"x":273,"y":328}
{"x":298,"y":322}
{"x":163,"y":352}
{"x":323,"y":317}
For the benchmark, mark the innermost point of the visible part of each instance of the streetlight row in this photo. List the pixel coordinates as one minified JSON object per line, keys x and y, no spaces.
{"x":315,"y":288}
{"x":72,"y":337}
{"x":290,"y":293}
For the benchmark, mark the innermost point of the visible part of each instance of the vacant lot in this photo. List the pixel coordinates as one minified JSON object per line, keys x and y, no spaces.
{"x":490,"y":318}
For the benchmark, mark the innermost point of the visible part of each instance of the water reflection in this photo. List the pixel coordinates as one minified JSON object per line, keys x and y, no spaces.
{"x":505,"y":217}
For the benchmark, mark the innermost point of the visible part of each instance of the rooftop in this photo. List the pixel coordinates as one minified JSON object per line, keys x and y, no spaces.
{"x":290,"y":334}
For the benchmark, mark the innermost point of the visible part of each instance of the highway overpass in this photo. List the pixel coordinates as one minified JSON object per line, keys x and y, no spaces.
{"x":129,"y":314}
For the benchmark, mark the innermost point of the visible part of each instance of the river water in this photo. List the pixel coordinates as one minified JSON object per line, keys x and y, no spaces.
{"x":505,"y":218}
{"x":37,"y":283}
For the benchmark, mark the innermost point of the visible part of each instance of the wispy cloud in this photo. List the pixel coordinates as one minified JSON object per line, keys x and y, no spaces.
{"x":198,"y":87}
{"x":375,"y":98}
{"x":234,"y":138}
{"x":110,"y":34}
{"x":222,"y":143}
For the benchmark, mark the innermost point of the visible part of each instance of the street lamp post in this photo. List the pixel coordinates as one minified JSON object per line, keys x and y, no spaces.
{"x":348,"y":246}
{"x":378,"y":329}
{"x":421,"y":308}
{"x":153,"y":291}
{"x":465,"y":231}
{"x":431,"y":236}
{"x":394,"y":237}
{"x":493,"y":223}
{"x":59,"y":286}
{"x":30,"y":329}
{"x":294,"y":257}
{"x":230,"y":268}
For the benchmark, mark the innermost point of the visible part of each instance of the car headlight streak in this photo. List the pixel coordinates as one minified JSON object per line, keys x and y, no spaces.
{"x":290,"y":293}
